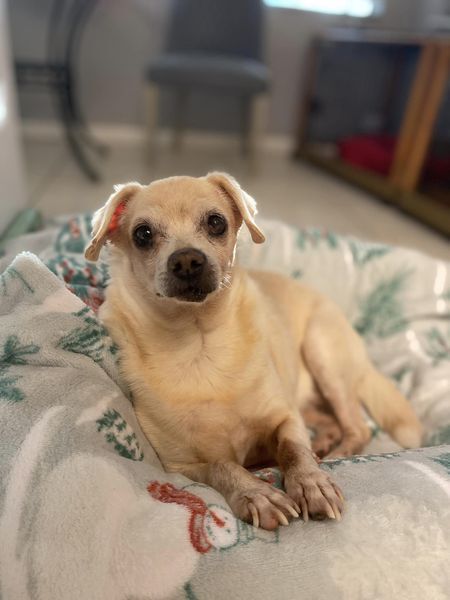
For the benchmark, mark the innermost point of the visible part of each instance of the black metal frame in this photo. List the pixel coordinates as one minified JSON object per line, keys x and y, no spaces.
{"x":67,"y":21}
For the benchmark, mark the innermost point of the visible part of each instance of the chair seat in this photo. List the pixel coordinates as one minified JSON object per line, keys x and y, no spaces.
{"x":210,"y":71}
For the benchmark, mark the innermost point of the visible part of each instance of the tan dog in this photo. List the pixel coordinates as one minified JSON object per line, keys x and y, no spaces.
{"x":221,"y":360}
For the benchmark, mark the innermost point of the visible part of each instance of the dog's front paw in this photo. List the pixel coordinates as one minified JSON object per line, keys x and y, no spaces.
{"x":264,"y":506}
{"x":316,"y":494}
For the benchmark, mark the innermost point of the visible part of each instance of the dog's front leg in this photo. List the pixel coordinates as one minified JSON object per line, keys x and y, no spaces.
{"x":311,"y":488}
{"x":250,"y":498}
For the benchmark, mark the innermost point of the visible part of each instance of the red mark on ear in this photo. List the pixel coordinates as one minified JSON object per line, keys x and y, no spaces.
{"x":114,"y":222}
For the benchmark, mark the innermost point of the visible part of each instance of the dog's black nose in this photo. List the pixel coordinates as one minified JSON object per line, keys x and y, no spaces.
{"x":187,"y":263}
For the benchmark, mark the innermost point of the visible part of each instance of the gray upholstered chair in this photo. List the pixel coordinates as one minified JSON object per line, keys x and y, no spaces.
{"x":213,"y":46}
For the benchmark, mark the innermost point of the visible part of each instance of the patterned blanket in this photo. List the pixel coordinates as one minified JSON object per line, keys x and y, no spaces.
{"x":86,"y":509}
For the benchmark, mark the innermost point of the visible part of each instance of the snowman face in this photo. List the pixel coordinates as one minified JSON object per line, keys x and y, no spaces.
{"x":221,"y":532}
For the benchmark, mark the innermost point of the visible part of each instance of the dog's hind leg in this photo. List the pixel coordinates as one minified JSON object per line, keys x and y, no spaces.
{"x":327,"y":433}
{"x":336,"y":359}
{"x":390,"y":409}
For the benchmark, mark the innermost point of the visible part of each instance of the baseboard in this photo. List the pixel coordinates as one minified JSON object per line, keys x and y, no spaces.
{"x":49,"y":131}
{"x":123,"y":134}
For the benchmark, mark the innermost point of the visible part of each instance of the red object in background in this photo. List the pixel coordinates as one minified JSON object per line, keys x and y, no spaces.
{"x":376,"y":153}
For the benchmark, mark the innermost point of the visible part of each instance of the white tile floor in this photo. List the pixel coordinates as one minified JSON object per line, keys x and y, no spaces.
{"x":294,"y":192}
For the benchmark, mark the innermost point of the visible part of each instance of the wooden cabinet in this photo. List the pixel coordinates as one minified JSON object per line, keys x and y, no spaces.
{"x":419,"y":109}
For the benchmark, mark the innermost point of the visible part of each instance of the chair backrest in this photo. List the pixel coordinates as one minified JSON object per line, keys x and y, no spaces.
{"x":222,"y":27}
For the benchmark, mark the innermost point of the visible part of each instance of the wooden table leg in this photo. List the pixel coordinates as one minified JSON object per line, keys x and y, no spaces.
{"x":419,"y":123}
{"x":416,"y":102}
{"x":427,"y":120}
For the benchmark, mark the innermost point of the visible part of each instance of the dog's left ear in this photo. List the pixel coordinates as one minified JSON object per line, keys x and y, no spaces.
{"x":106,"y":219}
{"x":243,"y":203}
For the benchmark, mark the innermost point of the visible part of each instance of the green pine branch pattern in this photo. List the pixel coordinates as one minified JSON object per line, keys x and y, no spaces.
{"x":189,"y":592}
{"x":118,"y":433}
{"x":363,"y":253}
{"x":440,"y":437}
{"x":437,"y":345}
{"x":11,"y":274}
{"x":381,"y":311}
{"x":297,"y":274}
{"x":360,"y":459}
{"x":314,"y":237}
{"x":14,"y":353}
{"x":443,"y":460}
{"x":90,"y":339}
{"x":401,"y":373}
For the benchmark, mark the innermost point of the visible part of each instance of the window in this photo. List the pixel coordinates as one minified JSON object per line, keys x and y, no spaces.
{"x":352,"y":8}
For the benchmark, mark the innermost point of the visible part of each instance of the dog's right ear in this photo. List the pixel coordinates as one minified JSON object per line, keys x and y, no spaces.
{"x":106,"y":219}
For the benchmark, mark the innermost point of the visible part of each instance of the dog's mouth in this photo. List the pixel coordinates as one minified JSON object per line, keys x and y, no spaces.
{"x":190,"y":288}
{"x":190,"y":292}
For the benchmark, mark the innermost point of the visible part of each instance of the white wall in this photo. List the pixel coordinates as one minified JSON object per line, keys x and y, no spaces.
{"x":124,"y":35}
{"x":12,"y":198}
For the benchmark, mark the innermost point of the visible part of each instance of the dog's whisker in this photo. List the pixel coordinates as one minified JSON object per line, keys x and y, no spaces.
{"x":225,"y":283}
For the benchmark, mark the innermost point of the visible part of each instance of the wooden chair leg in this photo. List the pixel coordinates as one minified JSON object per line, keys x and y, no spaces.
{"x":257,"y":124}
{"x":179,"y":129}
{"x":152,"y":114}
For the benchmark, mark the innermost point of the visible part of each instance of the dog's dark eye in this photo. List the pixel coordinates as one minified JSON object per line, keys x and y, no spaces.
{"x":142,"y":236}
{"x":217,"y":225}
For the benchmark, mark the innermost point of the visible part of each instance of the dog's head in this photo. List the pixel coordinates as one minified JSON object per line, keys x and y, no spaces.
{"x":177,"y":235}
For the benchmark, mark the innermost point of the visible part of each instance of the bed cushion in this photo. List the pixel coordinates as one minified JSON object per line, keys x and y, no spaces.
{"x":88,"y":512}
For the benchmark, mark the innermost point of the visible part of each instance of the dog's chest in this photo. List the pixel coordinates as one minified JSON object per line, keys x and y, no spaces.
{"x":201,"y":404}
{"x":194,"y":370}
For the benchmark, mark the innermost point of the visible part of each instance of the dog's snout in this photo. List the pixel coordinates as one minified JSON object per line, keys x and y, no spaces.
{"x":190,"y":276}
{"x":187,"y":263}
